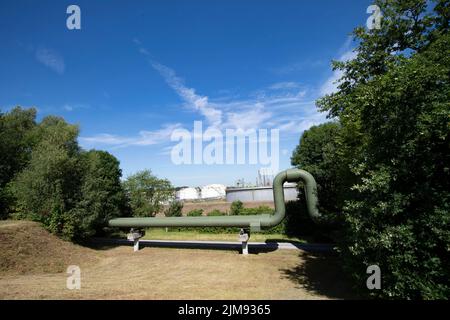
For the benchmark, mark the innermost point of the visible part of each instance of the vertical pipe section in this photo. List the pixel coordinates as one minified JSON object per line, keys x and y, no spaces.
{"x":310,"y":187}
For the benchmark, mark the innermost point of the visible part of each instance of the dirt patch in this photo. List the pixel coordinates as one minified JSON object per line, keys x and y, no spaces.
{"x":26,"y":248}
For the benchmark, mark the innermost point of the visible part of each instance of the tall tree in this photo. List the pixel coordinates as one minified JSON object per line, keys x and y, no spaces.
{"x":49,"y":187}
{"x":15,"y":148}
{"x":393,"y":106}
{"x":102,"y":195}
{"x":318,"y":154}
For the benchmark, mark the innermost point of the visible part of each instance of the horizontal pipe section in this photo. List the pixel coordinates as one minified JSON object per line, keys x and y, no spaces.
{"x":254,"y":222}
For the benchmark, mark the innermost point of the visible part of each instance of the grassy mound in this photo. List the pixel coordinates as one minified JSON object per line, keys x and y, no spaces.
{"x":27,"y":248}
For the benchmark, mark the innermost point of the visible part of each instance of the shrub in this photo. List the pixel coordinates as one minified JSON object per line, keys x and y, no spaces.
{"x":195,"y":213}
{"x":256,"y":211}
{"x":147,"y":193}
{"x":217,"y":212}
{"x":236,"y":207}
{"x":174,"y":210}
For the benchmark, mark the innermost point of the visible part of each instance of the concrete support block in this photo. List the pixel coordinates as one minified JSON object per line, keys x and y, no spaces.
{"x":244,"y":235}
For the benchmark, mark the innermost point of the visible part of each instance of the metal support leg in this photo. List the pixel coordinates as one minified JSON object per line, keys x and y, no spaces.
{"x":244,"y":235}
{"x":245,"y":247}
{"x":135,"y":235}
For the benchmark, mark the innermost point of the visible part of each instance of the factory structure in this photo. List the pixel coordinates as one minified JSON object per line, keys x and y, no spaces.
{"x":262,"y":191}
{"x":253,"y":194}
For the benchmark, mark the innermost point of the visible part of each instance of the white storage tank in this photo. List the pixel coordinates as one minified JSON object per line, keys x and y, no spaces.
{"x":188,"y":193}
{"x":254,"y":194}
{"x":213,"y":191}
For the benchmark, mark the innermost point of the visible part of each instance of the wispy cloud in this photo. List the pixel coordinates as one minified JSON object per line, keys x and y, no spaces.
{"x":74,"y":106}
{"x":197,"y":102}
{"x":285,"y":85}
{"x":144,"y":138}
{"x":249,"y":113}
{"x":331,"y":83}
{"x":286,"y":106}
{"x":51,"y":59}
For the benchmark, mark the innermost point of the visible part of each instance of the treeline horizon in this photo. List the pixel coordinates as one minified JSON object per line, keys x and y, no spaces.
{"x":46,"y":176}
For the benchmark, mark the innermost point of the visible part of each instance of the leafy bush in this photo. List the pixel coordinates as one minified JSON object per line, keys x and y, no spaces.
{"x":217,"y":212}
{"x":147,"y":193}
{"x":195,"y":213}
{"x":236,"y":207}
{"x":174,"y":210}
{"x":256,"y":211}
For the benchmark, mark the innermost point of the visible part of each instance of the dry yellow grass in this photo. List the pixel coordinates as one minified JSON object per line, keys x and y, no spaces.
{"x":161,"y":273}
{"x":161,"y":234}
{"x":25,"y":247}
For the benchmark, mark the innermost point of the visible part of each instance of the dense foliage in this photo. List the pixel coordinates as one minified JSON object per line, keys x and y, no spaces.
{"x":384,"y":163}
{"x":175,"y":209}
{"x":47,"y":177}
{"x":236,"y":207}
{"x":15,"y":149}
{"x":147,"y":193}
{"x":195,"y":213}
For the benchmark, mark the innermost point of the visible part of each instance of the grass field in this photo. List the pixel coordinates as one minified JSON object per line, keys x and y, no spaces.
{"x":33,"y":266}
{"x":161,"y":234}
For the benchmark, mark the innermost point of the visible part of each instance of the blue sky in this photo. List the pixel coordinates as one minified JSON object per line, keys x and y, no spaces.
{"x":139,"y":69}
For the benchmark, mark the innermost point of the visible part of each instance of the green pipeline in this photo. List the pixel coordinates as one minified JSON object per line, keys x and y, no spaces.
{"x":254,"y":222}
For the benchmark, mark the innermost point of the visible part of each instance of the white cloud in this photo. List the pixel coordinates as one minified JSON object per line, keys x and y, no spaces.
{"x":51,"y":59}
{"x":195,"y":101}
{"x":331,"y":84}
{"x":105,"y":138}
{"x":264,"y":111}
{"x":297,"y":126}
{"x":71,"y":107}
{"x":249,"y":119}
{"x":282,"y":105}
{"x":284,"y":85}
{"x":145,"y":138}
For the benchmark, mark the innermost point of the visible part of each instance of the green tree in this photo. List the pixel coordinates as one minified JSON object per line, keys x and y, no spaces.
{"x":318,"y":153}
{"x":236,"y":207}
{"x":48,"y":187}
{"x":46,"y":177}
{"x":15,"y":149}
{"x":393,"y":105}
{"x":147,"y":193}
{"x":102,"y":195}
